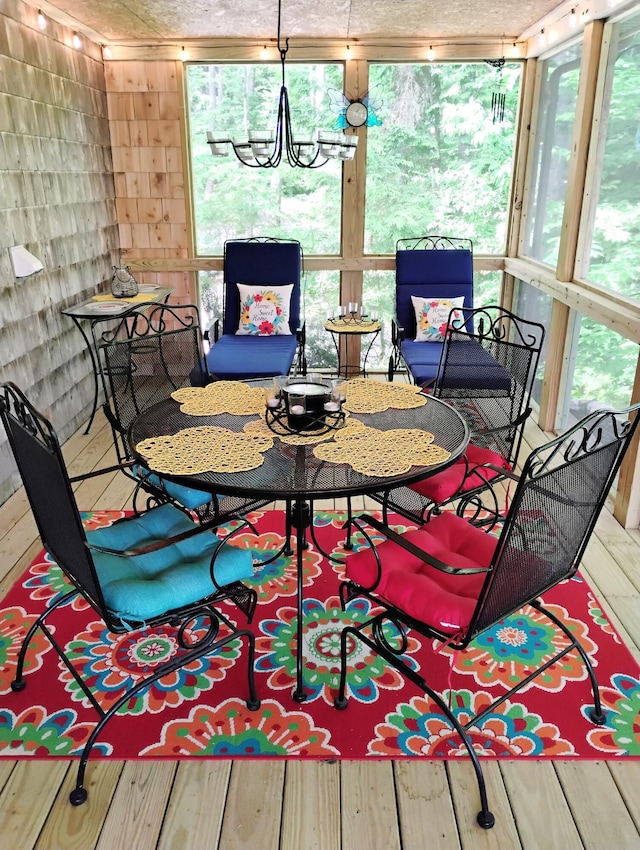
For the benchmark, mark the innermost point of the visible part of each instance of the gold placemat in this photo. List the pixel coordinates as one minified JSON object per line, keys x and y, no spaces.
{"x":141,"y":298}
{"x":382,"y":454}
{"x":233,"y":397}
{"x":205,"y":448}
{"x":307,"y":438}
{"x":367,"y":396}
{"x":352,"y":327}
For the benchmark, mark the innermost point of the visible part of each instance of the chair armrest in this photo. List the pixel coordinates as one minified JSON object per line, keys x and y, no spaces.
{"x":117,"y":467}
{"x":212,"y":333}
{"x":161,"y":544}
{"x":508,"y":426}
{"x":301,"y":334}
{"x":390,"y":534}
{"x":397,"y":333}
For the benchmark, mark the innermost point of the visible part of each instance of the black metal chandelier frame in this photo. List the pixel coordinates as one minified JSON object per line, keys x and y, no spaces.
{"x":299,"y":154}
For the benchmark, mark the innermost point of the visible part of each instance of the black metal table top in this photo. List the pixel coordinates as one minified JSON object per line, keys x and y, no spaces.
{"x":293,"y":471}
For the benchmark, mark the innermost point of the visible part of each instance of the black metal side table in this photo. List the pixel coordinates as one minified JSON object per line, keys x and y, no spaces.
{"x":94,"y":312}
{"x":350,"y":329}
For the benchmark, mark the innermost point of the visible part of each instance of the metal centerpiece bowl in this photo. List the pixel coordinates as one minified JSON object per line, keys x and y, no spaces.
{"x":305,"y":407}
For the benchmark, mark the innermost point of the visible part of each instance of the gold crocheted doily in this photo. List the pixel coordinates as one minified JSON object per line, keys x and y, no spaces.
{"x":233,"y":397}
{"x":205,"y":448}
{"x":382,"y":454}
{"x":367,"y":396}
{"x":306,"y":438}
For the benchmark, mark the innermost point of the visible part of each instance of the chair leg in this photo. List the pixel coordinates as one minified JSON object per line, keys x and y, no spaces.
{"x":79,"y":794}
{"x":597,"y":715}
{"x":485,"y":817}
{"x":19,"y":683}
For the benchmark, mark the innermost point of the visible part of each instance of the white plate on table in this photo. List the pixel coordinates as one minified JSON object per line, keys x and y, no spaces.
{"x":107,"y":307}
{"x":148,"y":287}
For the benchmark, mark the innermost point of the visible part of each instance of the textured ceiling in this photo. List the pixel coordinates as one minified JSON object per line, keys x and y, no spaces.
{"x":177,"y":20}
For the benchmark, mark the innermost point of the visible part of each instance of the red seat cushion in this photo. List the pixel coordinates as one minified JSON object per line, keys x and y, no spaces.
{"x":443,"y":486}
{"x":439,"y":599}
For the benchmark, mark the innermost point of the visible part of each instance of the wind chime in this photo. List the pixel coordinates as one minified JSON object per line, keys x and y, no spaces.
{"x":498,"y":98}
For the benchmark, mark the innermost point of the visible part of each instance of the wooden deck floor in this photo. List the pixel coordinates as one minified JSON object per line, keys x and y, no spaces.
{"x":278,"y":805}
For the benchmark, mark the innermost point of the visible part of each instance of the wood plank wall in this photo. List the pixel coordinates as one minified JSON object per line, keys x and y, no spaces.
{"x":145,"y":117}
{"x":57,"y":199}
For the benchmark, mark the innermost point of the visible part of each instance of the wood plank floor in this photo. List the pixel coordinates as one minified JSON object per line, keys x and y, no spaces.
{"x":278,"y":805}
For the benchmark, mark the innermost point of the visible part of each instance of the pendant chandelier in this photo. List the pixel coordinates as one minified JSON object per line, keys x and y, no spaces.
{"x":266,"y":148}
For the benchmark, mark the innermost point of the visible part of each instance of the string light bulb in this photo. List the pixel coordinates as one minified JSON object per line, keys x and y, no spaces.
{"x":107,"y":52}
{"x":573,"y":19}
{"x":42,"y":21}
{"x":347,"y":53}
{"x":264,"y":53}
{"x":76,"y":41}
{"x":543,"y":37}
{"x":183,"y":55}
{"x":431,"y":54}
{"x":515,"y":51}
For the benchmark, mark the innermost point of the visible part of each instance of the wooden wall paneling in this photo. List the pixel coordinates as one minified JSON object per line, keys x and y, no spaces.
{"x":56,"y":182}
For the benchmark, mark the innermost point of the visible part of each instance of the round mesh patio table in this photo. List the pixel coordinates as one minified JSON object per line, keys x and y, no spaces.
{"x":295,"y":474}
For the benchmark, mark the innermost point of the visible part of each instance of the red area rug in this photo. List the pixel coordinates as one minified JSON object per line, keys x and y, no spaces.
{"x":199,"y":711}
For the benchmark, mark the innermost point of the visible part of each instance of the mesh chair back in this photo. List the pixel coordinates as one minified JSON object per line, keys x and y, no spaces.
{"x":431,"y":267}
{"x":561,"y":492}
{"x":257,"y":261}
{"x":487,"y":370}
{"x":37,"y":454}
{"x":146,"y":357}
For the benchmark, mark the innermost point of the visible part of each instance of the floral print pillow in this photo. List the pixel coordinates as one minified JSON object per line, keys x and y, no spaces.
{"x":264,"y":310}
{"x":432,"y":315}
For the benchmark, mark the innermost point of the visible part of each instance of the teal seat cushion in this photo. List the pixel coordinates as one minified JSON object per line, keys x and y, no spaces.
{"x":142,"y":587}
{"x":191,"y":498}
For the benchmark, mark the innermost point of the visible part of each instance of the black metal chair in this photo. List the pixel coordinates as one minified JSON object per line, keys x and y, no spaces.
{"x":451,"y":581}
{"x":146,"y":356}
{"x":487,"y":370}
{"x":154,"y":569}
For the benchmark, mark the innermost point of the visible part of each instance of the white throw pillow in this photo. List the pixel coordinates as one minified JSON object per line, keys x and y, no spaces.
{"x":432,"y":315}
{"x":264,"y":309}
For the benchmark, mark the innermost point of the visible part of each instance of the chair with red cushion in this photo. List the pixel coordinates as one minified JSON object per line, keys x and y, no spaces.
{"x":451,"y":581}
{"x":492,"y":390}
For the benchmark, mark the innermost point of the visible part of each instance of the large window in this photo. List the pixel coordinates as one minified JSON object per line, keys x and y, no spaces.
{"x":232,"y":200}
{"x":442,"y":159}
{"x":614,"y":251}
{"x":602,"y":368}
{"x":534,"y":305}
{"x":552,"y":148}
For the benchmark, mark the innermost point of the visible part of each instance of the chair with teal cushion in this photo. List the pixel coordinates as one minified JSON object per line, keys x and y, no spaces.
{"x":144,"y":358}
{"x":149,"y":570}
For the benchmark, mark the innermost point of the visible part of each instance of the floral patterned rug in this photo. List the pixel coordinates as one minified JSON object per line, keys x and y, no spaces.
{"x":198,"y":711}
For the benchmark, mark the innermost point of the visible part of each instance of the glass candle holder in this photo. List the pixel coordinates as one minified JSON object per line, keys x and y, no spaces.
{"x":272,"y":396}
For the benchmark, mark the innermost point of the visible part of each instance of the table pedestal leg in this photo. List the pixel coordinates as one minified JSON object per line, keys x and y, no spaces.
{"x":300,"y":520}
